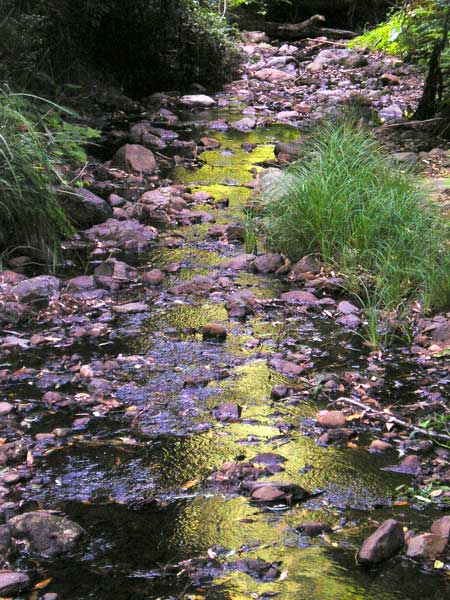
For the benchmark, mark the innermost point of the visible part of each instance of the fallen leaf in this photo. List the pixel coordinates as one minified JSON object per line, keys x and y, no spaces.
{"x":283,"y":575}
{"x":438,"y":564}
{"x":189,"y":484}
{"x":30,"y":459}
{"x":401,"y":503}
{"x":43,"y":584}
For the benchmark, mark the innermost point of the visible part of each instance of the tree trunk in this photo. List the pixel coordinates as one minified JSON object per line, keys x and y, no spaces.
{"x":428,"y":103}
{"x":305,"y":29}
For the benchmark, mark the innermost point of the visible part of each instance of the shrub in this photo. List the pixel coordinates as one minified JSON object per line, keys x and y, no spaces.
{"x":143,"y":45}
{"x":350,"y":204}
{"x":34,"y":143}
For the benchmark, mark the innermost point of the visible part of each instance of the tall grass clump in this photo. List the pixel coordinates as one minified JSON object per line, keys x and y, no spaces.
{"x":349,"y":203}
{"x":31,"y":157}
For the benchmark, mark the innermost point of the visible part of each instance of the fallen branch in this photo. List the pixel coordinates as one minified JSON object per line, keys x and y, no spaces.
{"x":306,"y":29}
{"x":391,"y":419}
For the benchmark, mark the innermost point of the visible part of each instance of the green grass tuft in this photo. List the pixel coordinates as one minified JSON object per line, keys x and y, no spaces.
{"x":34,"y":144}
{"x":351,"y":205}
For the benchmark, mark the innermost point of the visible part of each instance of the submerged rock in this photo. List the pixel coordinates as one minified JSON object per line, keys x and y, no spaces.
{"x":382,"y":544}
{"x":267,"y":492}
{"x":43,"y":534}
{"x":12,"y":582}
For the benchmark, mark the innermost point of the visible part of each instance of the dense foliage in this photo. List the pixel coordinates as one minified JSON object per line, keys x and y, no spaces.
{"x":35,"y":143}
{"x":144,"y":45}
{"x":348,"y":203}
{"x":419,"y":31}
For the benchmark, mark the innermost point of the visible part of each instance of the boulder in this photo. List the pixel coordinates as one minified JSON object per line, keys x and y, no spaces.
{"x":268,"y":263}
{"x":128,"y":235}
{"x":274,"y":75}
{"x":42,"y":534}
{"x":213,"y":331}
{"x":135,"y":158}
{"x":141,"y":134}
{"x":331,"y":419}
{"x":12,"y":582}
{"x":347,"y":308}
{"x":307,"y":264}
{"x":118,"y":270}
{"x":382,"y":544}
{"x":426,"y":545}
{"x":83,"y":208}
{"x":441,"y":527}
{"x":13,"y":452}
{"x":197,"y":101}
{"x":37,"y":288}
{"x":153,"y":277}
{"x":299,"y":297}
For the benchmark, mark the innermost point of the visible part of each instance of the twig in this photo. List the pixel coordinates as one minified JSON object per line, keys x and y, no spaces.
{"x":408,"y":123}
{"x":391,"y":419}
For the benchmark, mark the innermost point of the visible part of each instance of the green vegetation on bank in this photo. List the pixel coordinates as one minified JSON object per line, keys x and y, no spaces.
{"x":348,"y":203}
{"x":141,"y":45}
{"x":35,"y":146}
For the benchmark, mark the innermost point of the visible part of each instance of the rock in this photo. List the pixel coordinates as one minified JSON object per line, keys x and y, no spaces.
{"x":405,"y":157}
{"x":287,"y":367}
{"x":42,"y":534}
{"x":82,"y":283}
{"x":379,"y":446}
{"x":12,"y":452}
{"x":291,"y":148}
{"x":83,"y":208}
{"x":239,"y":263}
{"x":11,"y":277}
{"x":255,"y":37}
{"x":268,"y":263}
{"x":279,"y":391}
{"x":12,"y":582}
{"x":409,"y":465}
{"x":267,"y":492}
{"x":307,"y":264}
{"x":5,"y":543}
{"x":119,"y":271}
{"x":340,"y":434}
{"x":274,"y":75}
{"x":142,"y":134}
{"x":389,"y":79}
{"x":331,"y":419}
{"x":299,"y":297}
{"x":197,"y":101}
{"x":441,"y":335}
{"x":201,"y":284}
{"x":153,"y":277}
{"x":37,"y":288}
{"x":5,"y":408}
{"x":258,"y":568}
{"x":268,"y":458}
{"x":344,"y":57}
{"x":244,"y":124}
{"x":130,"y":308}
{"x":391,"y":113}
{"x":213,"y":331}
{"x":128,"y":235}
{"x":136,"y":158}
{"x":210,"y":143}
{"x":382,"y":544}
{"x":426,"y":545}
{"x":313,"y":528}
{"x":347,"y":308}
{"x":350,"y":321}
{"x":228,"y":411}
{"x":441,"y":527}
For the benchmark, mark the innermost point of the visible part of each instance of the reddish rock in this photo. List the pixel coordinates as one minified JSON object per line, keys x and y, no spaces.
{"x":213,"y":331}
{"x":410,"y":465}
{"x":441,"y":527}
{"x":379,"y":446}
{"x":382,"y":544}
{"x":426,"y":545}
{"x":331,"y":419}
{"x":347,"y":308}
{"x":228,"y":411}
{"x":153,"y":277}
{"x":279,"y":391}
{"x":342,"y":434}
{"x":81,"y":284}
{"x":133,"y":157}
{"x":307,"y":264}
{"x":268,"y":263}
{"x":350,"y":321}
{"x":239,"y":263}
{"x":299,"y":297}
{"x":389,"y":79}
{"x":210,"y":143}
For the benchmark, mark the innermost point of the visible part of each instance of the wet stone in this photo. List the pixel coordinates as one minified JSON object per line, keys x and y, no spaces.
{"x":382,"y":544}
{"x":313,"y":528}
{"x":153,"y":277}
{"x":257,"y":568}
{"x":130,"y":308}
{"x":213,"y":331}
{"x":227,"y":412}
{"x":12,"y":582}
{"x":426,"y":545}
{"x":41,"y":533}
{"x":299,"y":297}
{"x":279,"y":391}
{"x":331,"y":419}
{"x":441,"y":527}
{"x":267,"y":492}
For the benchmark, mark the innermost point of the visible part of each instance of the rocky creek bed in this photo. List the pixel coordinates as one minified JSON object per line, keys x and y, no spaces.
{"x":171,"y":424}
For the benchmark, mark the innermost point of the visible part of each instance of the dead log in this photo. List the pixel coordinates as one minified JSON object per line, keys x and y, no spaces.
{"x":306,"y":29}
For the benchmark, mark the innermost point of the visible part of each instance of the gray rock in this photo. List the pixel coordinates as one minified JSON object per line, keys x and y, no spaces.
{"x":37,"y":288}
{"x":228,"y":411}
{"x":12,"y":582}
{"x":382,"y":544}
{"x":129,"y":235}
{"x":12,"y":452}
{"x":130,"y":308}
{"x":197,"y":101}
{"x":5,"y":408}
{"x":43,"y":534}
{"x":83,"y":208}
